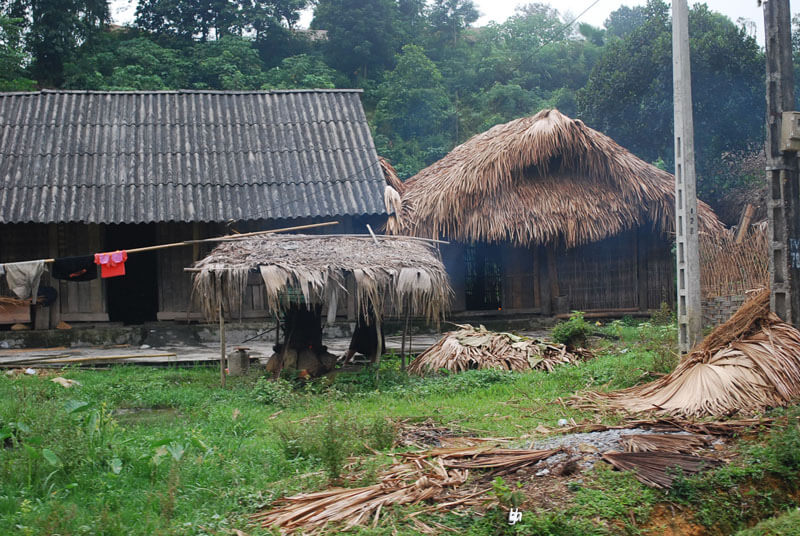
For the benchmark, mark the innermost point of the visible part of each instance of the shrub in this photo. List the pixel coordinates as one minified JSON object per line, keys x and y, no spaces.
{"x":572,"y":332}
{"x":276,"y":392}
{"x":334,"y":438}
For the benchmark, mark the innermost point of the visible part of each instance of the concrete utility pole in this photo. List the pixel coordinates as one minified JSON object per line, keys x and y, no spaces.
{"x":782,"y":177}
{"x":690,"y":320}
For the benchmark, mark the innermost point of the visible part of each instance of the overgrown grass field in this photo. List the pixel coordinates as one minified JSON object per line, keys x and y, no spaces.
{"x":137,"y":450}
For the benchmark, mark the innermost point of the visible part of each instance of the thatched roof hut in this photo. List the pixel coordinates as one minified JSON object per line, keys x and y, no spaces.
{"x":397,"y":274}
{"x":545,"y":179}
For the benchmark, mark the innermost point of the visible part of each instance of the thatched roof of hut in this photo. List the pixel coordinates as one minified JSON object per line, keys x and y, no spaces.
{"x":398,"y":274}
{"x":545,"y":179}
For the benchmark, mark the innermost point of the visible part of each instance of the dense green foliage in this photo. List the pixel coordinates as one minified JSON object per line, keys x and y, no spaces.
{"x":431,"y":79}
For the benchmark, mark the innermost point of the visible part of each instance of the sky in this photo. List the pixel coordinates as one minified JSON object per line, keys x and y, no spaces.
{"x":122,"y":11}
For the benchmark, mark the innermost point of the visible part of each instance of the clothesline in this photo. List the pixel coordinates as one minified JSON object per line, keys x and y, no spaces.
{"x":23,"y":277}
{"x":222,"y":238}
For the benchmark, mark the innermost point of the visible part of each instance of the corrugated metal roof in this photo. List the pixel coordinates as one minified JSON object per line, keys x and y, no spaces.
{"x":135,"y":157}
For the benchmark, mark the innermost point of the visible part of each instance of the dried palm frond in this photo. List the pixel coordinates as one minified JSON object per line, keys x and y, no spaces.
{"x":478,"y":348}
{"x":395,"y":274}
{"x":682,"y":443}
{"x":659,"y":469}
{"x":748,"y":364}
{"x":545,"y":179}
{"x":434,"y":475}
{"x":390,"y":175}
{"x":500,"y":460}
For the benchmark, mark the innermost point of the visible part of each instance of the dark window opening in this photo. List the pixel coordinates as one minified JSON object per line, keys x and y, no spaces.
{"x":483,"y":277}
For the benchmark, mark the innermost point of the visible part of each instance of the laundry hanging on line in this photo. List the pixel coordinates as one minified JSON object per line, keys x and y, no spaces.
{"x":80,"y":268}
{"x":23,"y":278}
{"x":112,"y":264}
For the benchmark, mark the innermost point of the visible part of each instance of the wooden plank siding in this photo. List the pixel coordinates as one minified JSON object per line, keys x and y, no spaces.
{"x":633,"y":270}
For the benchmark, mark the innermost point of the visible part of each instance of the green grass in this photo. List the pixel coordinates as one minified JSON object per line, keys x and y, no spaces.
{"x":201,"y":458}
{"x":787,"y":524}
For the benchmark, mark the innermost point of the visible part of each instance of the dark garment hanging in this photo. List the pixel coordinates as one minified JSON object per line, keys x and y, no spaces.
{"x":81,"y":268}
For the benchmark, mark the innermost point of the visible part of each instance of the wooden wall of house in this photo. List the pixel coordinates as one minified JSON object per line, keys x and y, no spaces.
{"x":633,"y":270}
{"x":80,"y":301}
{"x":77,"y":302}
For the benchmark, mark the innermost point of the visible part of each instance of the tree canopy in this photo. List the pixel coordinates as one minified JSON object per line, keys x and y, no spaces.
{"x":431,"y":78}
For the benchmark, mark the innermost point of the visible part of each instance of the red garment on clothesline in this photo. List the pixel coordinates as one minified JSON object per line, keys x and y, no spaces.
{"x":112,"y":264}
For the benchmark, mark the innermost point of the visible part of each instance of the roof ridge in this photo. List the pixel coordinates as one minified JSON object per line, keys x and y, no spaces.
{"x":179,"y":91}
{"x":323,"y":181}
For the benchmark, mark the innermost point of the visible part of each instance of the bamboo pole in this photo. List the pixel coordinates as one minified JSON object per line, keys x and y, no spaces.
{"x":225,"y":238}
{"x":379,"y":349}
{"x":221,"y":346}
{"x":374,"y":238}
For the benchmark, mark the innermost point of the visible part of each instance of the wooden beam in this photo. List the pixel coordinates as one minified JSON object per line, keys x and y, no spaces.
{"x":744,"y":223}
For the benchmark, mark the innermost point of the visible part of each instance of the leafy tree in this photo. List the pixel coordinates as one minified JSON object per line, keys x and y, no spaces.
{"x":412,"y":21}
{"x":448,"y":18}
{"x":414,"y":111}
{"x":12,"y":57}
{"x":207,"y":19}
{"x":301,"y":71}
{"x":624,"y":20}
{"x":54,"y":31}
{"x":362,"y":36}
{"x":629,"y":94}
{"x":227,"y":63}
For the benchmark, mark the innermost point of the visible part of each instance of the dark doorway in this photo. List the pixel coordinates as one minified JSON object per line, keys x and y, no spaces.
{"x":483,"y":277}
{"x":133,"y":298}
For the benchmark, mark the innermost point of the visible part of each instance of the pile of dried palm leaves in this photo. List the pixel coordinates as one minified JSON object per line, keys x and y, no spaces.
{"x":478,"y":348}
{"x":435,"y":475}
{"x":748,"y":364}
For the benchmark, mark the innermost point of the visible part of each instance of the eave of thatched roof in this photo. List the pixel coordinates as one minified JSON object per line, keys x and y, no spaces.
{"x":545,"y":179}
{"x":397,"y":274}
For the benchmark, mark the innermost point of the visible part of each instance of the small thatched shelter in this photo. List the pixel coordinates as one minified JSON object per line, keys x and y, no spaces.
{"x":301,"y":274}
{"x":548,"y":210}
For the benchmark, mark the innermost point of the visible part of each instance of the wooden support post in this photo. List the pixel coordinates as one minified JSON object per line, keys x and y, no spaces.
{"x":403,"y":343}
{"x":552,"y":272}
{"x":544,"y":282}
{"x":744,"y":223}
{"x":55,"y":308}
{"x":552,"y":276}
{"x":379,"y":348}
{"x":640,"y":242}
{"x":221,"y":346}
{"x":783,"y":205}
{"x":537,"y":279}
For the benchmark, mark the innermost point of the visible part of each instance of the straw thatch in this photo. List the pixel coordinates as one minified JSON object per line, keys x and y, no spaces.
{"x":478,"y":348}
{"x":395,"y":274}
{"x":748,"y":364}
{"x":545,"y":179}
